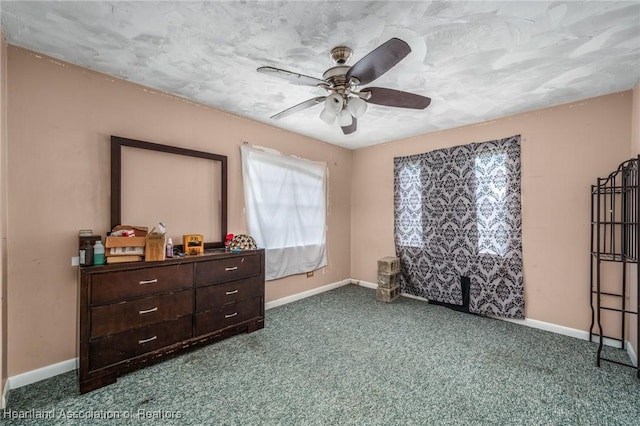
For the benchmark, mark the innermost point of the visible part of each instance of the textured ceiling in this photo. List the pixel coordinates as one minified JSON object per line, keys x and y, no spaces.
{"x":476,"y":60}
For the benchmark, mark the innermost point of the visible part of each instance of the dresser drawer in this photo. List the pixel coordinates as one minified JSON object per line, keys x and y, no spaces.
{"x":119,"y":317}
{"x":228,"y":315}
{"x":121,"y":285}
{"x":122,"y":346}
{"x":214,"y":296}
{"x":227,"y":269}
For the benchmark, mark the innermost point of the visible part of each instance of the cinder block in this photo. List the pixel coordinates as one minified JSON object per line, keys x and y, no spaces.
{"x":388,"y":280}
{"x":387,"y":294}
{"x":388,"y":265}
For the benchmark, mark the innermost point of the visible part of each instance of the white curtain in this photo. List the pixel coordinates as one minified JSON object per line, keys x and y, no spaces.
{"x":286,"y":208}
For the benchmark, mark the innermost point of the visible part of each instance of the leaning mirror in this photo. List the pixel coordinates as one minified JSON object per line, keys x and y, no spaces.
{"x":184,"y":189}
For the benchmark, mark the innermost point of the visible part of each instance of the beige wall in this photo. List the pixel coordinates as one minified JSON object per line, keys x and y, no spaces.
{"x":635,"y":150}
{"x":60,"y":119}
{"x":635,"y":121}
{"x":564,"y":149}
{"x":3,"y":211}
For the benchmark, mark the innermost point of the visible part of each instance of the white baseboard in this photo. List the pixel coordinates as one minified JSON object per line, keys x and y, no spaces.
{"x":5,"y":393}
{"x":364,"y":284}
{"x":554,"y":328}
{"x":305,"y":294}
{"x":43,"y":373}
{"x":411,"y":296}
{"x":632,"y":354}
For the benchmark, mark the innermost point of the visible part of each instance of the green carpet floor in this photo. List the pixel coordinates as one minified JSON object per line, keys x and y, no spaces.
{"x":342,"y":358}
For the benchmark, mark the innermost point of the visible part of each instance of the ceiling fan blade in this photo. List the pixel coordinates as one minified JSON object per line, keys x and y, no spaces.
{"x":379,"y":60}
{"x":347,"y":130}
{"x":297,"y":108}
{"x":396,"y":98}
{"x":293,"y":77}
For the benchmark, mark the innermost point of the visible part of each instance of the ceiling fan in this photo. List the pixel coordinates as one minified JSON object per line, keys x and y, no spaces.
{"x":346,"y":101}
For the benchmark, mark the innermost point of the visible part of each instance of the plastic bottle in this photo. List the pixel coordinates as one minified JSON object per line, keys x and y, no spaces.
{"x":86,"y":254}
{"x":169,"y":248}
{"x":98,"y":253}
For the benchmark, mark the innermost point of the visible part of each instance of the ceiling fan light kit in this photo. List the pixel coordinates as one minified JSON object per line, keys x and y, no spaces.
{"x":344,"y":118}
{"x":357,"y":107}
{"x":327,"y":116}
{"x":345,"y":100}
{"x":333,"y":103}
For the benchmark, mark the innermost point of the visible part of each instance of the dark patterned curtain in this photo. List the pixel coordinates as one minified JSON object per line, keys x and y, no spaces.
{"x":457,"y":214}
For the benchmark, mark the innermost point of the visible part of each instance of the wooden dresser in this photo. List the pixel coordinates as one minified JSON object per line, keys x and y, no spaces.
{"x":133,"y":314}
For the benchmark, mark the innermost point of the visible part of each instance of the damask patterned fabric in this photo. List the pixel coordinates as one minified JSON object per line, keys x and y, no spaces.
{"x":457,"y":213}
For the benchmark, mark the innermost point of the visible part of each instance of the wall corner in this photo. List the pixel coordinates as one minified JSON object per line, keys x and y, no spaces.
{"x":3,"y":219}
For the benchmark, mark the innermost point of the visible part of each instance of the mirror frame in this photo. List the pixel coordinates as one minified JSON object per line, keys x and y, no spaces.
{"x":116,"y":179}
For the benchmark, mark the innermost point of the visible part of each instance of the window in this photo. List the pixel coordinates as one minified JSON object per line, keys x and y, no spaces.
{"x":490,"y":172}
{"x":286,"y":209}
{"x":408,"y":191}
{"x":457,"y":216}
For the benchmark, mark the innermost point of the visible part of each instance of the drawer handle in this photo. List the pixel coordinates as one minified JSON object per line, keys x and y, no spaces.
{"x":155,"y":280}
{"x":148,"y":311}
{"x":231,"y":315}
{"x":147,"y":340}
{"x":232,"y":268}
{"x":231,"y":292}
